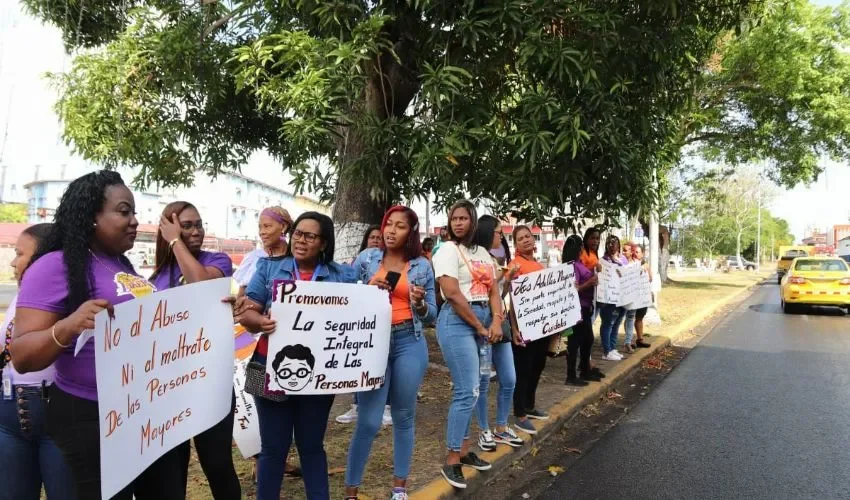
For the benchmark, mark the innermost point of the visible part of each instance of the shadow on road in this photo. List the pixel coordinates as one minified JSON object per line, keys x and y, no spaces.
{"x":816,"y":310}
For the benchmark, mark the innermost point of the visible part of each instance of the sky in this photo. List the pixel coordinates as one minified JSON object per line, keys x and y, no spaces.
{"x":30,"y":133}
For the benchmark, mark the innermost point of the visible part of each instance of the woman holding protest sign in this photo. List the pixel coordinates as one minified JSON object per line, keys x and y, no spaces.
{"x":82,"y":271}
{"x":612,"y":315}
{"x":634,"y":318}
{"x":29,"y":457}
{"x":489,"y":233}
{"x":308,"y":258}
{"x":400,"y":268}
{"x":469,"y":321}
{"x":581,"y":341}
{"x":180,"y":260}
{"x":529,"y":357}
{"x":274,"y":223}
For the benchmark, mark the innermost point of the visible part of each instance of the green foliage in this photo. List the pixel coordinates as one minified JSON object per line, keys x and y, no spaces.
{"x":549,"y":108}
{"x":13,"y":212}
{"x":778,"y":92}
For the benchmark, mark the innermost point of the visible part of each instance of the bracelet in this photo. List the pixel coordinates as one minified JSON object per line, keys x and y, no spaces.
{"x":55,"y":340}
{"x":172,"y":243}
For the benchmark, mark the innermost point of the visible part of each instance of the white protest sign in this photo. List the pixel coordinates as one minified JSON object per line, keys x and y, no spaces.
{"x":608,"y":288}
{"x":246,"y":425}
{"x":331,"y":338}
{"x":630,"y":282}
{"x":164,"y":374}
{"x":546,"y":301}
{"x":643,"y":293}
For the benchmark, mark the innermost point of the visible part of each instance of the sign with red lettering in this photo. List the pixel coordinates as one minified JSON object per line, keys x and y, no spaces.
{"x":164,"y":374}
{"x":545,"y":302}
{"x":331,"y":338}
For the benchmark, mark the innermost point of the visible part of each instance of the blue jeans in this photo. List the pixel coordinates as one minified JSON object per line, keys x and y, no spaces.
{"x":405,"y":371}
{"x":28,"y":457}
{"x":307,"y":417}
{"x":630,"y":326}
{"x":503,"y":358}
{"x":458,"y":343}
{"x":612,"y":317}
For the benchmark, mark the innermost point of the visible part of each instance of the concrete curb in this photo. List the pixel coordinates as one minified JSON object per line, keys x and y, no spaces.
{"x":504,"y":456}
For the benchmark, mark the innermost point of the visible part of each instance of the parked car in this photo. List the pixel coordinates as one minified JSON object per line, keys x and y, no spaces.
{"x":823,"y":281}
{"x":732,"y":262}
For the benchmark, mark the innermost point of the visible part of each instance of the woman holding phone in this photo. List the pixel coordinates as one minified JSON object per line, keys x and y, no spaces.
{"x":470,"y":320}
{"x":308,"y":258}
{"x":400,"y":268}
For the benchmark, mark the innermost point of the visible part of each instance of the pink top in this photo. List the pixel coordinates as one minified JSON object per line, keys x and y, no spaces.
{"x":32,"y":378}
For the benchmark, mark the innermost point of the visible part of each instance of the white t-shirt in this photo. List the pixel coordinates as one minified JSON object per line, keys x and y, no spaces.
{"x":474,"y":283}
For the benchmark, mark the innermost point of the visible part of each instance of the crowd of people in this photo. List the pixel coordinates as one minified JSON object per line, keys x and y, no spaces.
{"x":74,"y":268}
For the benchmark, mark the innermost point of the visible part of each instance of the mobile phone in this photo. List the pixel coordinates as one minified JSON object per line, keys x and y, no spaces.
{"x":392,"y":278}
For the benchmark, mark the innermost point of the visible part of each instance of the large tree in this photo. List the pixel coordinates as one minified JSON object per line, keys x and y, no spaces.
{"x":547,"y":108}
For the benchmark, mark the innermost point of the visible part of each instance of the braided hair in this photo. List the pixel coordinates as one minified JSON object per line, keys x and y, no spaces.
{"x":73,"y":229}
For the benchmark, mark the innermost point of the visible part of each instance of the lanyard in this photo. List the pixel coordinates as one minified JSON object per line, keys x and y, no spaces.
{"x":315,"y":272}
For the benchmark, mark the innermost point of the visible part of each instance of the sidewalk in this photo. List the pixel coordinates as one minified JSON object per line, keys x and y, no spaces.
{"x":684,"y":305}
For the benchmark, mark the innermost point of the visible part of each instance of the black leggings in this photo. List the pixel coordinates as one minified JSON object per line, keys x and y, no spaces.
{"x":214,"y":447}
{"x":529,"y":362}
{"x":74,"y":425}
{"x":580,"y":343}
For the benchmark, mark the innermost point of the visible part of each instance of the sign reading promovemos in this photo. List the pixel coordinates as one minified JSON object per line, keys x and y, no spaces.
{"x":546,"y":302}
{"x":331,"y":338}
{"x":164,"y":368}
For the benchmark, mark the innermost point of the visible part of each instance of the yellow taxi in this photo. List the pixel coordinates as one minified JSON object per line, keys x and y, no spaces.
{"x":821,"y":281}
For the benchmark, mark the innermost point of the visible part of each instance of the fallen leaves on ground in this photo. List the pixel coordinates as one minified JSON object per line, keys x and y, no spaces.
{"x":535,"y":451}
{"x":573,"y":450}
{"x":554,"y":470}
{"x":614,"y":395}
{"x":654,"y":363}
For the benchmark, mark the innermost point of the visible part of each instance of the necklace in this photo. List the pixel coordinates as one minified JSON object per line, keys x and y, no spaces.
{"x":104,"y":264}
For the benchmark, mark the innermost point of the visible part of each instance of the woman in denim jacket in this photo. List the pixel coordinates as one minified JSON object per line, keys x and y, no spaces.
{"x":308,"y":258}
{"x":413,"y":306}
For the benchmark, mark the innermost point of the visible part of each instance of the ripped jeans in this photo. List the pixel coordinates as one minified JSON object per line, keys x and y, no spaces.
{"x":457,"y":341}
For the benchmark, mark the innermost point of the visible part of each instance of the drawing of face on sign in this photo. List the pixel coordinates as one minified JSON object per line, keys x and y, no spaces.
{"x":293,"y":367}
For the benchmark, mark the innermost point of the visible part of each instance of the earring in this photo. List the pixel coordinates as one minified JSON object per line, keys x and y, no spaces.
{"x":94,"y":225}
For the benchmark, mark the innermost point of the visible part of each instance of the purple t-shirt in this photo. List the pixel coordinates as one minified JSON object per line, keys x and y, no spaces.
{"x":172,"y":274}
{"x":45,"y":287}
{"x":585,"y":297}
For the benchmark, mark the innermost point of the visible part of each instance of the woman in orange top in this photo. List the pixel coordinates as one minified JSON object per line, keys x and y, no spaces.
{"x":529,"y":358}
{"x":400,"y":268}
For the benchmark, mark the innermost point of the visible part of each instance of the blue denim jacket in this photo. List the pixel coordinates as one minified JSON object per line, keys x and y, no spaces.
{"x":270,"y":269}
{"x":420,"y":271}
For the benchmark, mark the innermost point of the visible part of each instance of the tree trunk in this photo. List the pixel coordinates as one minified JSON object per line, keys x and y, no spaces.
{"x":664,"y":244}
{"x":356,"y":206}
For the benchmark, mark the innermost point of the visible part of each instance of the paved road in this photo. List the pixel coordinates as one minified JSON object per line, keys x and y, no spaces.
{"x":760,"y":409}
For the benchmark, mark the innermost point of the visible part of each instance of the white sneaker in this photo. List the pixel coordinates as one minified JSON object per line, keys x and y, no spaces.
{"x":618,"y":353}
{"x":611,"y":356}
{"x":388,"y":416}
{"x":485,"y":441}
{"x":348,"y":417}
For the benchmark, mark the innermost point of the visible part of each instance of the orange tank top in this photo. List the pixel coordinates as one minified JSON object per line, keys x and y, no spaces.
{"x":400,"y":297}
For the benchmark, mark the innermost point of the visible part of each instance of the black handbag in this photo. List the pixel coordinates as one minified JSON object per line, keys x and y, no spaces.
{"x":255,"y":383}
{"x":507,"y":331}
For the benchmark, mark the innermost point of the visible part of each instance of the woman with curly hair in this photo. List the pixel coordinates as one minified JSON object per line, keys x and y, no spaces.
{"x":180,"y":260}
{"x":80,"y":272}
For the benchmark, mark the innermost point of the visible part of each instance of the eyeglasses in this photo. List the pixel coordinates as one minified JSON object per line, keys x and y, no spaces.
{"x":188,"y":226}
{"x":287,"y":373}
{"x":308,"y":237}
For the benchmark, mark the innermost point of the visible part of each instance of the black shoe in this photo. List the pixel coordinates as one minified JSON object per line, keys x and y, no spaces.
{"x":453,"y":474}
{"x":577,"y":382}
{"x":642,"y":344}
{"x":537,"y":415}
{"x":591,"y":377}
{"x":597,"y":371}
{"x":474,"y":461}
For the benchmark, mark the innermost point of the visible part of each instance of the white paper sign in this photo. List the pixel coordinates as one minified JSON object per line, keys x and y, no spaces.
{"x":331,"y":338}
{"x":246,"y":425}
{"x":631,"y":277}
{"x":546,"y":302}
{"x":608,"y":288}
{"x":164,"y":374}
{"x":643,"y":292}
